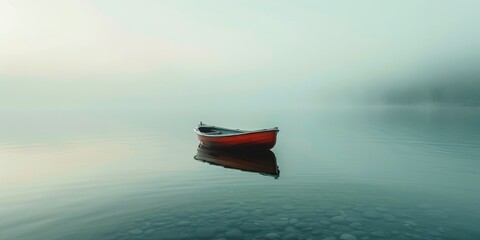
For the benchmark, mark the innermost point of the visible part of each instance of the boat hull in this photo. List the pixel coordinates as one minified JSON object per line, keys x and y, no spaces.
{"x":263,"y":140}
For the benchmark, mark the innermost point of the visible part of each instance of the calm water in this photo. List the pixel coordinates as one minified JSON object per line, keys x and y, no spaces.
{"x":364,"y":173}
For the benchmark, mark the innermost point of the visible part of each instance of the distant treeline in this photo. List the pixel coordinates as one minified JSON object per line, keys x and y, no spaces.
{"x":458,"y":87}
{"x":454,"y":92}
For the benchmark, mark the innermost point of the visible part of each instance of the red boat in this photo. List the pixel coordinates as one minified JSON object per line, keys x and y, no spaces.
{"x":218,"y":137}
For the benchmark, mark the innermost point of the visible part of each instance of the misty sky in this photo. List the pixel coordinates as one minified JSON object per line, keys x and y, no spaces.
{"x":55,"y":53}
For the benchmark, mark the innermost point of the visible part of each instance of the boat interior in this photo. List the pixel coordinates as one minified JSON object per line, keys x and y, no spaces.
{"x":218,"y":131}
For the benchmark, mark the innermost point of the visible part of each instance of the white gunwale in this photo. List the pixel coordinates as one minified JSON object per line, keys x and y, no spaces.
{"x":236,"y":132}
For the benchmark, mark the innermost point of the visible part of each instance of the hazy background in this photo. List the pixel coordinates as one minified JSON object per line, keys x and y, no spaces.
{"x":376,"y":102}
{"x":268,"y":54}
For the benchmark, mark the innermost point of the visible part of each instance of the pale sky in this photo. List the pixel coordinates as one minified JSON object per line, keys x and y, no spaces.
{"x":133,"y":47}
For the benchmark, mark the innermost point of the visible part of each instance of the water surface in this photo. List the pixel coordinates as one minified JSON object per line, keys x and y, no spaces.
{"x":348,"y":173}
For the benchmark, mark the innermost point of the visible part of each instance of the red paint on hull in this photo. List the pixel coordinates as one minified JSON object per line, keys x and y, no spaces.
{"x":264,"y":139}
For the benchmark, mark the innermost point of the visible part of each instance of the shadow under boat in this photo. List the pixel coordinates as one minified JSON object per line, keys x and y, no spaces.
{"x":261,"y":161}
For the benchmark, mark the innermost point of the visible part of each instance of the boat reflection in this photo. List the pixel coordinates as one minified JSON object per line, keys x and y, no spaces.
{"x":250,"y":160}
